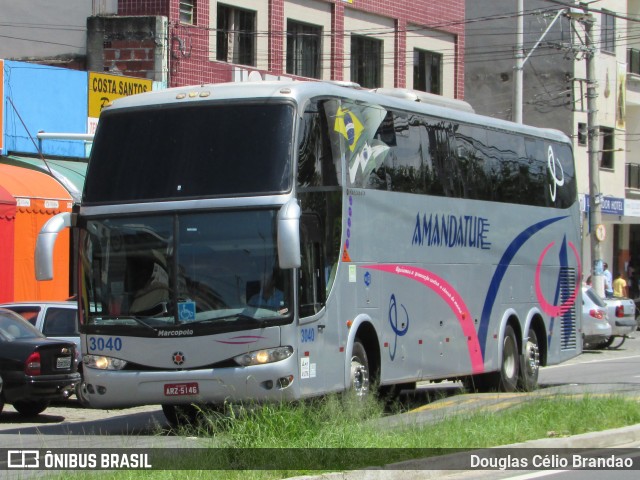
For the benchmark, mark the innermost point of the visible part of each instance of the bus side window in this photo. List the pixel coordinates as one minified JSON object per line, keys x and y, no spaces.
{"x":312,"y":293}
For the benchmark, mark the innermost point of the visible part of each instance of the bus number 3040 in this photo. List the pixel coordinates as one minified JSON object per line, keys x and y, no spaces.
{"x":109,"y":343}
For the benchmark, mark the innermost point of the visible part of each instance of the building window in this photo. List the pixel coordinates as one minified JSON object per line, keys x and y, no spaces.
{"x":607,"y":147}
{"x":236,"y":35}
{"x":608,"y":33}
{"x":633,"y":176}
{"x":582,"y":134}
{"x":304,"y":49}
{"x":366,"y":61}
{"x":633,"y":61}
{"x":188,"y":11}
{"x":427,"y":71}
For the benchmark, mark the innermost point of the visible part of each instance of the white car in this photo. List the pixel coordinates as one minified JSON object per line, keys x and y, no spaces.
{"x":622,"y":317}
{"x":58,"y":320}
{"x":596,"y":328}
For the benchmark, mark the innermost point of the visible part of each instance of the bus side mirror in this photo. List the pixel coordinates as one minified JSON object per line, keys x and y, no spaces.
{"x":289,"y":235}
{"x":46,"y":241}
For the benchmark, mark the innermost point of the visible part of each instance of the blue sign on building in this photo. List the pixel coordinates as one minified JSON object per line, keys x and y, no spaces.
{"x":610,"y":205}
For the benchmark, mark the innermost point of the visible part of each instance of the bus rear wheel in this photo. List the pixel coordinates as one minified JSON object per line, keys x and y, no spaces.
{"x":530,"y":365}
{"x":359,"y":370}
{"x":504,"y":380}
{"x":509,"y":370}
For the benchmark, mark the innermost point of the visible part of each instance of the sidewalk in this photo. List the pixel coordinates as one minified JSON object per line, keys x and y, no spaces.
{"x":448,"y":465}
{"x":623,"y":438}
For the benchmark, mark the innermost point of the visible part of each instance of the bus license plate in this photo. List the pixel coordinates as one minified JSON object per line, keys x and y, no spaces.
{"x":63,"y":362}
{"x":176,"y":389}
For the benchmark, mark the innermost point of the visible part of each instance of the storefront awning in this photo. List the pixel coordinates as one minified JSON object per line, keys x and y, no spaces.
{"x":69,"y":173}
{"x":7,"y":220}
{"x":6,"y":199}
{"x":38,"y":196}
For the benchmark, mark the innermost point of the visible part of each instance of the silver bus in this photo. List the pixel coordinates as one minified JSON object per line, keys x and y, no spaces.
{"x":283,"y":240}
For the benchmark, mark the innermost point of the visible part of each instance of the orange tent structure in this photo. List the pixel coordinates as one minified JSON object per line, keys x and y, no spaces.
{"x":38,"y":197}
{"x":7,"y":221}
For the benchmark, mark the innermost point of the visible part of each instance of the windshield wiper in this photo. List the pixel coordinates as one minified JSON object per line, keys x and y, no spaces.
{"x":123,"y":318}
{"x":236,"y":316}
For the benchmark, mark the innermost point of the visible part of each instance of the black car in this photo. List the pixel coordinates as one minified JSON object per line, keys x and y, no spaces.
{"x":34,"y":369}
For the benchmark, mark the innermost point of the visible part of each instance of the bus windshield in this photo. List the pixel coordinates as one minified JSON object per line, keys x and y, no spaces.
{"x":215,"y":270}
{"x":191,"y":151}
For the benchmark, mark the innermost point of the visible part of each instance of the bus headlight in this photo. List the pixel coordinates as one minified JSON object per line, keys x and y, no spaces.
{"x":260,"y":357}
{"x":103,"y":363}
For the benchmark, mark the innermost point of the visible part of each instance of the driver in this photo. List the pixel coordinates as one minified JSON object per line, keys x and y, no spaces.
{"x":269,"y":295}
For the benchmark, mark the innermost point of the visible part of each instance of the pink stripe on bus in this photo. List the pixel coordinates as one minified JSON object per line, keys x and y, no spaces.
{"x":451,"y":297}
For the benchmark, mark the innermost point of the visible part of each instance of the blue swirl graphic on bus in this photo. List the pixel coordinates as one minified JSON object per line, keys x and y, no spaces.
{"x":393,"y":321}
{"x":498,"y":276}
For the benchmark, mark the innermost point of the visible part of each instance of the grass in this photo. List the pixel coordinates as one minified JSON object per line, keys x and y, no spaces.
{"x":337,"y":423}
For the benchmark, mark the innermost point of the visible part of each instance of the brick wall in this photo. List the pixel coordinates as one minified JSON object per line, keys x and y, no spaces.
{"x":190,"y":47}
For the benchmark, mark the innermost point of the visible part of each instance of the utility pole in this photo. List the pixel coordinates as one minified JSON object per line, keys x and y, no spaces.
{"x":596,"y":229}
{"x":519,"y":69}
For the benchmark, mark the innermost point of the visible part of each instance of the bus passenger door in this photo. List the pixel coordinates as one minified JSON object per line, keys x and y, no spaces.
{"x":312,"y":325}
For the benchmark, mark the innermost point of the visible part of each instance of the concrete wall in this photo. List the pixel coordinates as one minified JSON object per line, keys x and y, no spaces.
{"x":132,"y":46}
{"x":489,"y":69}
{"x":52,"y":32}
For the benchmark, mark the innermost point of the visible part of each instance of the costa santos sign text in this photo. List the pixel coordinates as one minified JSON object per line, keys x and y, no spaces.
{"x":104,"y":88}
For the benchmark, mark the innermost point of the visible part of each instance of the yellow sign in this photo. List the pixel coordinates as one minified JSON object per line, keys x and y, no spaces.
{"x":105,"y":88}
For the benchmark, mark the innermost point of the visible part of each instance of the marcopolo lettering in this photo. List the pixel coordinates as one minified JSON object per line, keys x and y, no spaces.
{"x":442,"y":230}
{"x":175,"y":333}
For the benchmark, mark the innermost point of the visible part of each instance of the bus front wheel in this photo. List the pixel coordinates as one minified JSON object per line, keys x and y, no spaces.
{"x":181,"y":415}
{"x":359,"y":370}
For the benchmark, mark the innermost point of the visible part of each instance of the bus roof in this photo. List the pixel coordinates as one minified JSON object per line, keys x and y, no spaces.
{"x":301,"y":91}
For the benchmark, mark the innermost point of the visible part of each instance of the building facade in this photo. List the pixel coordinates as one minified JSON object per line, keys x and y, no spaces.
{"x":417,"y":45}
{"x":554,"y":95}
{"x":112,"y":48}
{"x":49,"y":33}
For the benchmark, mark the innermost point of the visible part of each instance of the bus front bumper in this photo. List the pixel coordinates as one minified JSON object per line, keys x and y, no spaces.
{"x":123,"y":388}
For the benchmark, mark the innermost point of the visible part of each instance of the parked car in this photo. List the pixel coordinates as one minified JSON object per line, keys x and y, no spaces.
{"x":595,"y":323}
{"x":57,"y":320}
{"x":35,"y":370}
{"x":622,"y":317}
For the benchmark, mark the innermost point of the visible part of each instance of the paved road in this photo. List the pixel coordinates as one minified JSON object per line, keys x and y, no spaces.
{"x":594,"y":372}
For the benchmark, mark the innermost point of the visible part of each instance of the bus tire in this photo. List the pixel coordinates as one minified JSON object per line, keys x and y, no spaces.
{"x":180,"y":415}
{"x":509,"y":367}
{"x":80,"y":391}
{"x":359,"y":370}
{"x":530,"y":363}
